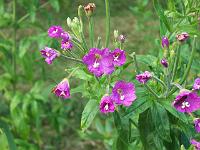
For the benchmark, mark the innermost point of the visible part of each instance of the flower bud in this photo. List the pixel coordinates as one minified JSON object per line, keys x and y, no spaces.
{"x":122,"y":38}
{"x":80,"y":11}
{"x":165,"y":42}
{"x":182,"y":37}
{"x":69,"y":22}
{"x":164,"y":62}
{"x":89,"y":9}
{"x":116,"y":34}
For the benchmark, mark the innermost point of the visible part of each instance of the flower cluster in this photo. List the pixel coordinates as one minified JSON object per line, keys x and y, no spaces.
{"x":56,"y":32}
{"x":101,"y":62}
{"x":144,"y":77}
{"x":123,"y":93}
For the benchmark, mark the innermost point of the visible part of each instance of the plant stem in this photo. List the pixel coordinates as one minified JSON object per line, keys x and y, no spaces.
{"x":137,"y":70}
{"x":91,"y":31}
{"x":107,"y":22}
{"x":14,"y":45}
{"x":160,"y":81}
{"x":73,"y":59}
{"x":28,"y":14}
{"x":176,"y":64}
{"x":188,"y":66}
{"x":98,"y":44}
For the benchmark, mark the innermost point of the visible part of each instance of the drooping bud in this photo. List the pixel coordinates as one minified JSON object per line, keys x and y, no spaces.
{"x":165,"y":42}
{"x":182,"y":37}
{"x":89,"y":9}
{"x":164,"y":62}
{"x":122,"y":38}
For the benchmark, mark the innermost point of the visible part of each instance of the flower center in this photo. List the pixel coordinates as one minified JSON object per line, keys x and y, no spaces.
{"x":55,"y":31}
{"x":62,"y":93}
{"x":185,"y":104}
{"x":116,"y":56}
{"x":119,"y":91}
{"x":48,"y":54}
{"x":96,"y":64}
{"x":106,"y":107}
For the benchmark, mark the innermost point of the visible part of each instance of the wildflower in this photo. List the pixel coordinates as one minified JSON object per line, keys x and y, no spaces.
{"x":66,"y":44}
{"x":196,"y":85}
{"x":122,"y":38}
{"x":165,"y":42}
{"x":195,"y":144}
{"x":89,"y":9}
{"x":49,"y":54}
{"x":164,"y":62}
{"x":65,"y":36}
{"x":62,"y":89}
{"x":99,"y":62}
{"x":106,"y":104}
{"x":119,"y":57}
{"x":123,"y":93}
{"x":197,"y":124}
{"x":182,"y":37}
{"x":144,"y":77}
{"x":55,"y":31}
{"x":187,"y":101}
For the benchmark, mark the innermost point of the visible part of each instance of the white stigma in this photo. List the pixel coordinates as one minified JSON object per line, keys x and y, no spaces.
{"x":185,"y":104}
{"x":106,"y":107}
{"x":116,"y":58}
{"x":62,"y":93}
{"x":122,"y":97}
{"x":55,"y":31}
{"x":199,"y":124}
{"x":96,"y":65}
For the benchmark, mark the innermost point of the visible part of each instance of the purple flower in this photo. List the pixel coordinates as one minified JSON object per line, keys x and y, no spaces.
{"x":62,"y":89}
{"x":165,"y":42}
{"x":182,"y":37}
{"x":106,"y":105}
{"x":123,"y":93}
{"x":119,"y":57}
{"x":196,"y":85}
{"x":144,"y":77}
{"x":164,"y":62}
{"x":65,"y":36}
{"x":197,"y":124}
{"x":195,"y":144}
{"x":99,"y":62}
{"x":122,"y":38}
{"x":187,"y":101}
{"x":55,"y":31}
{"x":66,"y":44}
{"x":49,"y":54}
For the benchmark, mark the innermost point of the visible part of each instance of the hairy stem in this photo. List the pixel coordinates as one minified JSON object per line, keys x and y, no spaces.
{"x":107,"y":22}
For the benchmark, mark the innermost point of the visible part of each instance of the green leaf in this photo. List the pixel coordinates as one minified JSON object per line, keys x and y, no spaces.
{"x":88,"y":114}
{"x":81,"y":74}
{"x":174,"y":112}
{"x":161,"y":15}
{"x":55,"y":4}
{"x":147,"y":59}
{"x":9,"y":135}
{"x":160,"y":120}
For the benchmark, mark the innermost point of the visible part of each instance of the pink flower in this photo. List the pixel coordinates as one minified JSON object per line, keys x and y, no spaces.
{"x":196,"y":85}
{"x":119,"y":57}
{"x":49,"y":54}
{"x":106,"y":105}
{"x":182,"y":37}
{"x":62,"y":89}
{"x":143,"y":77}
{"x":197,"y":124}
{"x":195,"y":144}
{"x":55,"y":31}
{"x":66,"y":44}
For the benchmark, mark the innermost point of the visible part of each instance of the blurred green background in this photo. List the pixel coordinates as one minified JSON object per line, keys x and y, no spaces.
{"x":38,"y":119}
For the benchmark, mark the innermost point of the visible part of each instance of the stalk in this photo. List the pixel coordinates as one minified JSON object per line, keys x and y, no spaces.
{"x":185,"y":75}
{"x":91,"y":31}
{"x":98,"y":44}
{"x":73,"y":59}
{"x":176,"y":64}
{"x":107,"y":22}
{"x":14,"y":45}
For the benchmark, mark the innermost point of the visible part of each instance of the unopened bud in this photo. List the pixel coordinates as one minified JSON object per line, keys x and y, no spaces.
{"x":69,"y":22}
{"x":89,"y":9}
{"x":182,"y":37}
{"x":164,"y":62}
{"x":165,"y":42}
{"x":116,"y":34}
{"x":122,"y":38}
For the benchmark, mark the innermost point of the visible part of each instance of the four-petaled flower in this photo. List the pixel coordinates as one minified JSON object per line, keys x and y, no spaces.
{"x":99,"y":62}
{"x":197,"y":124}
{"x":49,"y":54}
{"x":122,"y":38}
{"x":66,"y":44}
{"x":182,"y":37}
{"x":65,"y":36}
{"x":165,"y":42}
{"x":55,"y":31}
{"x":144,"y":77}
{"x":62,"y":89}
{"x":195,"y":144}
{"x":196,"y":85}
{"x":106,"y":104}
{"x":119,"y":57}
{"x":187,"y":101}
{"x":123,"y":93}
